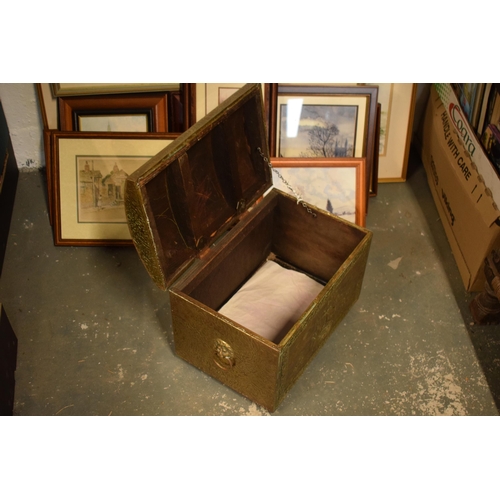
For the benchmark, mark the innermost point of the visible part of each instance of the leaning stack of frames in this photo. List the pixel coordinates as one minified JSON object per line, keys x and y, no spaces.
{"x":101,"y":125}
{"x":95,"y":135}
{"x":204,"y":218}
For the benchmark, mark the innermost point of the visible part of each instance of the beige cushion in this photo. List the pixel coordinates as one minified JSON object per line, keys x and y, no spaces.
{"x":272,"y":300}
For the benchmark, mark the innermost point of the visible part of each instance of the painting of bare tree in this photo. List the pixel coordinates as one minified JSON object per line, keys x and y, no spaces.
{"x":309,"y":128}
{"x":324,"y":131}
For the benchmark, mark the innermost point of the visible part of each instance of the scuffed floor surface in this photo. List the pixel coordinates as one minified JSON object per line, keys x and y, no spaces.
{"x":95,"y":333}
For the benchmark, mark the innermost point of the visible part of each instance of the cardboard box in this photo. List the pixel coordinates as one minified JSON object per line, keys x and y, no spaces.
{"x":470,"y":141}
{"x":465,"y":203}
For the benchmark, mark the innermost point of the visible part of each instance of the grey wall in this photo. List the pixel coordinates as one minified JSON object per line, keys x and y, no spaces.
{"x":20,"y":105}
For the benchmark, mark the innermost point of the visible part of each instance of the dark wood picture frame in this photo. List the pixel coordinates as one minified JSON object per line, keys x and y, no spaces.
{"x":154,"y":106}
{"x":187,"y":101}
{"x":181,"y":107}
{"x":374,"y":173}
{"x":371,"y":141}
{"x":68,"y":150}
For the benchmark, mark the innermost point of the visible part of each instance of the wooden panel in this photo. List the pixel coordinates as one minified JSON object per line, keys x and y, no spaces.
{"x":197,"y":199}
{"x":232,"y":260}
{"x":318,"y":245}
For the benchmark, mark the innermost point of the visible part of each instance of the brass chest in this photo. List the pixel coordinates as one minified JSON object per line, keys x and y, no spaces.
{"x":204,"y":218}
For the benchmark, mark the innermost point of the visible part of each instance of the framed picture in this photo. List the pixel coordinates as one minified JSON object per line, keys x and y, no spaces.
{"x":48,"y":106}
{"x":183,"y":106}
{"x":72,"y":89}
{"x":374,"y":172}
{"x":397,"y":101}
{"x":142,"y":112}
{"x":210,"y":95}
{"x":87,"y":183}
{"x":48,"y":146}
{"x":325,"y":121}
{"x":336,"y":185}
{"x":321,"y":126}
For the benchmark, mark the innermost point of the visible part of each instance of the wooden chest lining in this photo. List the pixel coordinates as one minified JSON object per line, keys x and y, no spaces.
{"x":205,"y":187}
{"x":234,"y":257}
{"x":317,"y":246}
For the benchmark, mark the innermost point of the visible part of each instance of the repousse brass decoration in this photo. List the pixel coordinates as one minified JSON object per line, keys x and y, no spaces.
{"x":224,"y":355}
{"x":143,"y":237}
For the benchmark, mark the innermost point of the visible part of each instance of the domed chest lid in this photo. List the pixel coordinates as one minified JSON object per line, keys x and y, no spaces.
{"x":183,"y":198}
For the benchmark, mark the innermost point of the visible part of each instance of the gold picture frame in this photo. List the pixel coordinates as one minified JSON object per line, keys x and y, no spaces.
{"x":74,"y":89}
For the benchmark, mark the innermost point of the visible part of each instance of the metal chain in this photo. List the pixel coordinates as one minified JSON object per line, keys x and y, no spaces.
{"x":297,"y":195}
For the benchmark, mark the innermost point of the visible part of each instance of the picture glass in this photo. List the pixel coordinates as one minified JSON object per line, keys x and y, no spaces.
{"x":321,"y":126}
{"x":92,"y":174}
{"x":210,"y":95}
{"x":101,"y":185}
{"x":113,"y":123}
{"x":331,"y":189}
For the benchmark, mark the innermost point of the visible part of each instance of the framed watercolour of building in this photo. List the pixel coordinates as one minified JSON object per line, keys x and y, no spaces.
{"x":88,"y":175}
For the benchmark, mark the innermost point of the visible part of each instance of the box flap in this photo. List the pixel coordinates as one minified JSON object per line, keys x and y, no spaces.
{"x":182,"y":199}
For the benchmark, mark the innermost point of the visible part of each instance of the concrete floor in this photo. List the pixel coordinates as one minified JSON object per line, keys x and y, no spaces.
{"x":95,"y":335}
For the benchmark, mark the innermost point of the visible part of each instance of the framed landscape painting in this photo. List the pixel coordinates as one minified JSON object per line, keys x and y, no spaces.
{"x":321,"y":126}
{"x":325,"y":121}
{"x":335,"y":185}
